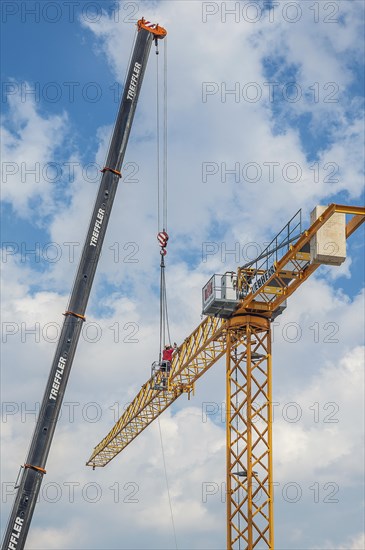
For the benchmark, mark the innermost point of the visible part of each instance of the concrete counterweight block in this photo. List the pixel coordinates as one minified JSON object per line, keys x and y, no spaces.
{"x":328,"y":245}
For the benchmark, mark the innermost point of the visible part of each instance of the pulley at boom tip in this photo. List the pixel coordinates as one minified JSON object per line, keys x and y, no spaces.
{"x":154,"y":28}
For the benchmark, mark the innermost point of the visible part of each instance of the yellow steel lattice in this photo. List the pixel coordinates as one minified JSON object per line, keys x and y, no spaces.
{"x":249,"y":434}
{"x":196,"y":355}
{"x":246,"y":341}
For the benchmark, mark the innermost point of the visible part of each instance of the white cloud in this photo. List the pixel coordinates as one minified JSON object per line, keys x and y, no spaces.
{"x":56,"y":538}
{"x":321,"y":427}
{"x":29,"y":149}
{"x":357,"y":542}
{"x":108,"y":372}
{"x":215,"y":132}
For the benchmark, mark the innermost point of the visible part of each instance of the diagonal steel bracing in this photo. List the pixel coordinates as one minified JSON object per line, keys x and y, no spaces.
{"x":249,"y":434}
{"x":196,"y":355}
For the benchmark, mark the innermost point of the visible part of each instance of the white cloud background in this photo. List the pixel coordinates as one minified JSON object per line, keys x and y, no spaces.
{"x":306,"y":372}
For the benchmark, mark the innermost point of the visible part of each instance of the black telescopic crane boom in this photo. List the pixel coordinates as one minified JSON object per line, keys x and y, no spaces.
{"x":34,"y":468}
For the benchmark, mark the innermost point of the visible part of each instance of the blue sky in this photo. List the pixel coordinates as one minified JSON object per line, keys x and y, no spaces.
{"x":217,"y":61}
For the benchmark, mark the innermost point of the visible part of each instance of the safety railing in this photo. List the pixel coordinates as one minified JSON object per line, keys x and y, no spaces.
{"x":277,"y":248}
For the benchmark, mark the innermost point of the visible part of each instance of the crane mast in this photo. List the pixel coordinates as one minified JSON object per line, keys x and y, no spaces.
{"x":34,"y":467}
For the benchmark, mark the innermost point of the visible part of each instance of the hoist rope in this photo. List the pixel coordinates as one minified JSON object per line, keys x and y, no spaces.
{"x":164,"y":316}
{"x":162,"y":239}
{"x":158,"y":137}
{"x":162,"y":196}
{"x":167,"y":319}
{"x":162,"y":178}
{"x":162,"y":327}
{"x":167,"y":483}
{"x":165,"y":139}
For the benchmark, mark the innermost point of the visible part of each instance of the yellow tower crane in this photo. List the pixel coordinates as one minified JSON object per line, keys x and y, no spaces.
{"x":239,"y":308}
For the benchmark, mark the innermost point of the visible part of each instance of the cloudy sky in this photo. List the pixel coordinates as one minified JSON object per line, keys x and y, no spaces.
{"x":265,"y":117}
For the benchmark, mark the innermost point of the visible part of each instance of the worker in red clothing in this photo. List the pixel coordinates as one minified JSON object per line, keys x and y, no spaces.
{"x":166,"y":361}
{"x":167,"y":353}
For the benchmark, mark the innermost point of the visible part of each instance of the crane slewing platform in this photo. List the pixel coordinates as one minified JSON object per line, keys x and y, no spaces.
{"x":240,"y":307}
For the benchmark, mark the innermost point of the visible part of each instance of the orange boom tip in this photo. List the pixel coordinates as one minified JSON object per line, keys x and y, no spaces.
{"x":154,"y":28}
